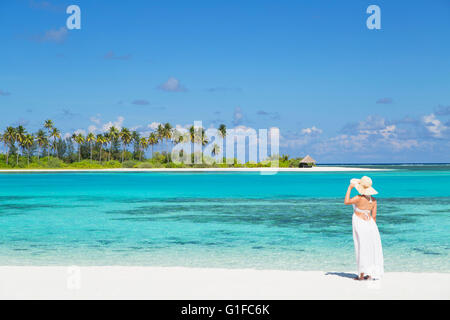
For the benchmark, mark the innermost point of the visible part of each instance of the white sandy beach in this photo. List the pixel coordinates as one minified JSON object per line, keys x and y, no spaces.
{"x":192,"y":283}
{"x":262,"y":170}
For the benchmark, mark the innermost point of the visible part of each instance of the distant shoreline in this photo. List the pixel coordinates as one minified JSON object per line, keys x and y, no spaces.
{"x":265,"y":169}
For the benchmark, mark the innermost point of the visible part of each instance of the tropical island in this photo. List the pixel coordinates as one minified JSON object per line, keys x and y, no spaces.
{"x":124,"y":148}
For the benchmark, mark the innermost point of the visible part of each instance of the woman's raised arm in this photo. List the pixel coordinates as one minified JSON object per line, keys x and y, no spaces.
{"x":347,"y":199}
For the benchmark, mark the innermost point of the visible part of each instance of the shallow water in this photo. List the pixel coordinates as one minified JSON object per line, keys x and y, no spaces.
{"x":233,"y":220}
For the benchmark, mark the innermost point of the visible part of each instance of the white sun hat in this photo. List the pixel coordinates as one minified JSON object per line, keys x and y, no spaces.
{"x":364,"y":186}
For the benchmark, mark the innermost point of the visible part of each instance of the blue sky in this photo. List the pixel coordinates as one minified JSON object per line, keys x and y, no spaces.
{"x":336,"y":90}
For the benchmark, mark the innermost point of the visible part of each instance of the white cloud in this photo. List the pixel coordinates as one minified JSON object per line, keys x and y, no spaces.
{"x":118,"y":124}
{"x":238,"y":116}
{"x":78,"y":131}
{"x":104,"y":127}
{"x":172,"y":85}
{"x":54,"y":35}
{"x":312,"y":131}
{"x":366,"y":144}
{"x":399,"y":145}
{"x":154,"y":125}
{"x":181,"y":128}
{"x":92,"y":129}
{"x":434,"y":126}
{"x":46,"y":5}
{"x":243,"y":129}
{"x":368,"y":138}
{"x":388,"y":131}
{"x":135,"y":128}
{"x":95,"y":119}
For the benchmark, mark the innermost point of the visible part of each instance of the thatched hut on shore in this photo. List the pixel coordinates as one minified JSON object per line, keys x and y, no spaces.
{"x":307,"y":162}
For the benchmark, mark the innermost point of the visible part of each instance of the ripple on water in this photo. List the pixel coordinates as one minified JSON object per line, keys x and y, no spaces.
{"x":424,"y":251}
{"x":105,"y":242}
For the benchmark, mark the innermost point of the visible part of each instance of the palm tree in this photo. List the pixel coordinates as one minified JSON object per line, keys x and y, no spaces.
{"x":152,"y":140}
{"x":89,"y":138}
{"x":28,"y":142}
{"x":222,"y":130}
{"x":198,"y":136}
{"x":203,"y":138}
{"x":107,"y":139}
{"x":79,"y":139}
{"x":192,"y":137}
{"x":192,"y":134}
{"x":160,"y":132}
{"x":125,"y":136}
{"x":48,"y":124}
{"x":136,"y":138}
{"x":143,"y":144}
{"x":55,"y":134}
{"x":113,"y":135}
{"x":180,"y":137}
{"x":9,"y":139}
{"x":73,"y":138}
{"x":168,"y":133}
{"x":101,"y":140}
{"x":223,"y":133}
{"x":41,"y":140}
{"x":20,"y":137}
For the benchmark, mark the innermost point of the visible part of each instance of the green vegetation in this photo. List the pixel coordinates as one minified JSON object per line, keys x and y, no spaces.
{"x":112,"y":149}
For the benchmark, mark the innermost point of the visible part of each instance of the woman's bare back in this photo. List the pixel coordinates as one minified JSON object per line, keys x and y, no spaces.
{"x":365,"y":203}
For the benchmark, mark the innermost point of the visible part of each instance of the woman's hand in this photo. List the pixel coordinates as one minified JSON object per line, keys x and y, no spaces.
{"x":351,"y":186}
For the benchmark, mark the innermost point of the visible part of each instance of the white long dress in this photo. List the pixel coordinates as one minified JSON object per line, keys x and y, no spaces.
{"x":368,"y":250}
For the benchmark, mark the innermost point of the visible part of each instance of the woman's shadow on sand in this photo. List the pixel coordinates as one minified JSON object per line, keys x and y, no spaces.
{"x":342,"y":274}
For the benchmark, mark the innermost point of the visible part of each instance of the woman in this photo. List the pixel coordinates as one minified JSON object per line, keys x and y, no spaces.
{"x":369,"y":254}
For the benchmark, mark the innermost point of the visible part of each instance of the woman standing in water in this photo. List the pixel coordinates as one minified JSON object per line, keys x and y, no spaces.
{"x":369,"y":253}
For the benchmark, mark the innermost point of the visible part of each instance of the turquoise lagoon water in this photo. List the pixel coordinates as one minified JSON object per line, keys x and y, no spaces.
{"x":229,"y":220}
